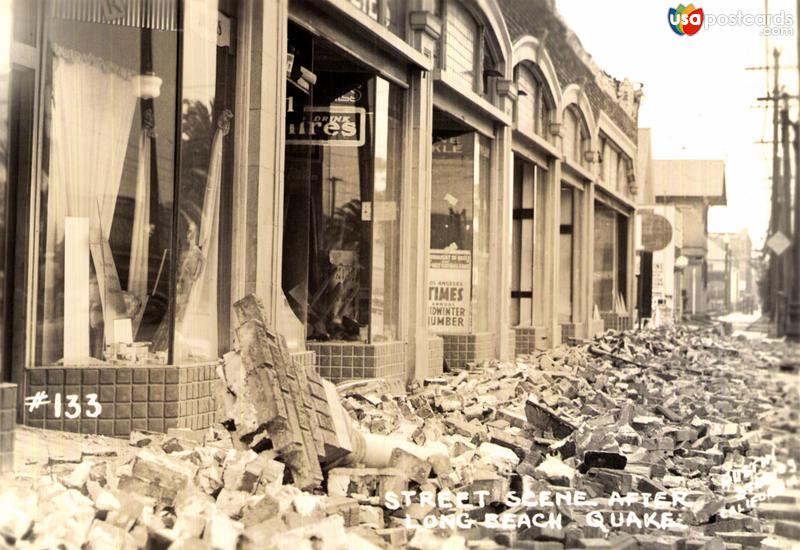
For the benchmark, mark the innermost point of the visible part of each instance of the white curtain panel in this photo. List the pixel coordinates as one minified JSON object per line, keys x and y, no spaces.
{"x":92,"y":111}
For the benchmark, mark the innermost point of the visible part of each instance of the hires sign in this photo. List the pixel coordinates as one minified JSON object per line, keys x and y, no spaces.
{"x":327,"y":126}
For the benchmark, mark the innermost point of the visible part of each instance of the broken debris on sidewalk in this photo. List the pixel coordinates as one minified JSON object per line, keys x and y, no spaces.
{"x":623,"y":422}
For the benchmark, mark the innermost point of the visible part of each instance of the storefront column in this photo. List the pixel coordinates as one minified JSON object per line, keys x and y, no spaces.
{"x":501,"y":239}
{"x":548,"y":210}
{"x":425,"y":356}
{"x":590,"y":325}
{"x":257,"y":221}
{"x":632,"y":272}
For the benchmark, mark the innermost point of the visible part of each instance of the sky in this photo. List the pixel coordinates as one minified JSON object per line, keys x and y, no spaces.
{"x":700,"y":100}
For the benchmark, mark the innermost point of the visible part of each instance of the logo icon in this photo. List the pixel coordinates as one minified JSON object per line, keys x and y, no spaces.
{"x":686,"y":19}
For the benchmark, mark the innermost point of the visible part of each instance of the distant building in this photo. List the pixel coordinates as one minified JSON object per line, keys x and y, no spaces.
{"x":731,"y":278}
{"x":691,"y":187}
{"x":660,"y":271}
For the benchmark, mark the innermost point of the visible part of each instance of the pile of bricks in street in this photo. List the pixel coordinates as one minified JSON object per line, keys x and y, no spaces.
{"x":294,"y":463}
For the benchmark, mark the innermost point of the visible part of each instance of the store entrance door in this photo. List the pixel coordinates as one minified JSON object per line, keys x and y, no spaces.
{"x":522,"y":255}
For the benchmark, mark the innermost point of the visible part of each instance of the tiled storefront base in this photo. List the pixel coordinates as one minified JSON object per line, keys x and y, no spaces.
{"x":460,"y":349}
{"x":614,"y":321}
{"x":8,"y":419}
{"x":340,"y":361}
{"x":153,"y":398}
{"x":435,"y":356}
{"x":569,"y":331}
{"x":529,"y":339}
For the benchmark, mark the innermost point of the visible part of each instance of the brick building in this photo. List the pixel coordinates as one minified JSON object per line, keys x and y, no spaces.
{"x":402,"y":182}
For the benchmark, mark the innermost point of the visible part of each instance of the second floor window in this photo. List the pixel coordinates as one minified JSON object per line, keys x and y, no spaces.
{"x":534,"y":105}
{"x":576,"y":136}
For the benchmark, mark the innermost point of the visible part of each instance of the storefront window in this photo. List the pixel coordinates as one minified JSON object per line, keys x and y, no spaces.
{"x":604,"y":257}
{"x":343,"y":176}
{"x":458,"y":301}
{"x":106,"y":183}
{"x":5,"y":96}
{"x":202,"y":280}
{"x":111,"y":283}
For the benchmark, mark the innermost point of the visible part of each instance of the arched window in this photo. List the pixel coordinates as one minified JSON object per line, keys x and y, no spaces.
{"x":615,"y":165}
{"x":462,"y":43}
{"x":534,"y":105}
{"x":466,"y":50}
{"x":576,"y":136}
{"x":622,"y":173}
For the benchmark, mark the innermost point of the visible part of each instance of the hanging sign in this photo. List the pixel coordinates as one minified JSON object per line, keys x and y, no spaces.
{"x":656,"y":231}
{"x":450,"y":291}
{"x":327,"y":126}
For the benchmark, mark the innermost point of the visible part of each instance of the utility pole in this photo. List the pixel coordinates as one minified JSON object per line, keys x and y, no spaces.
{"x":793,"y":324}
{"x":774,"y":271}
{"x":785,"y":224}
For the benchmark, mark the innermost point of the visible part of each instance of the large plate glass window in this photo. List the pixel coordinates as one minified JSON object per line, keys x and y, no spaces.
{"x":203,"y":268}
{"x":343,"y":175}
{"x":604,"y":257}
{"x":113,"y":279}
{"x":459,"y":270}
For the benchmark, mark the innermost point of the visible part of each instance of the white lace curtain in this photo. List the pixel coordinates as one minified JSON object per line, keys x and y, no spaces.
{"x":92,"y":110}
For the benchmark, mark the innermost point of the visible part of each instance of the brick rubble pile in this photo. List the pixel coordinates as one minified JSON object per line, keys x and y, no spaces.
{"x":648,"y":413}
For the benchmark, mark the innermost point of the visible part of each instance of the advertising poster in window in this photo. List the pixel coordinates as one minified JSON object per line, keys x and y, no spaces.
{"x":449,"y":292}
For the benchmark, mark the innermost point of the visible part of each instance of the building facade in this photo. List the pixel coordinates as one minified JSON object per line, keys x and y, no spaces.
{"x":692,"y":187}
{"x":731,"y":277}
{"x":404,"y":183}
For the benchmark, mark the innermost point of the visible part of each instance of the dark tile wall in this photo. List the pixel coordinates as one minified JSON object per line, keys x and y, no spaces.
{"x":568,"y":331}
{"x":8,"y":419}
{"x":525,"y":340}
{"x":614,"y":321}
{"x":460,"y":349}
{"x":152,"y":398}
{"x":340,"y":361}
